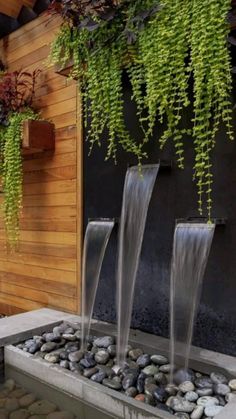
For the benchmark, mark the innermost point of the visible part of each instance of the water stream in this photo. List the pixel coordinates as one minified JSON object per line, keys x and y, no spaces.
{"x":191,"y":247}
{"x":96,"y":239}
{"x":136,"y":198}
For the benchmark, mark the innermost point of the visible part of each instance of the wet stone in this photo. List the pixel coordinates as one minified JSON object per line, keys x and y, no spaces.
{"x":135,"y":353}
{"x":159,"y":359}
{"x":99,"y":377}
{"x":149,"y":380}
{"x":207,"y":401}
{"x":72,"y":346}
{"x":35,"y":347}
{"x":186,"y":386}
{"x":70,"y":337}
{"x":112,"y":384}
{"x":88,"y":362}
{"x":232,"y":384}
{"x":150,"y":389}
{"x":140,"y":382}
{"x":140,"y":398}
{"x":64,"y":355}
{"x":222,"y":401}
{"x":181,"y":405}
{"x":160,"y":395}
{"x":48,"y":346}
{"x":191,"y":396}
{"x":150,"y":400}
{"x":150,"y":370}
{"x":131,"y":392}
{"x":129,"y":381}
{"x":101,"y":357}
{"x":183,"y":375}
{"x":143,"y":360}
{"x":75,"y":367}
{"x":204,"y":382}
{"x":75,"y":356}
{"x":50,"y":337}
{"x":104,"y":341}
{"x":89,"y":372}
{"x":171,"y":389}
{"x":204,"y":392}
{"x":53,"y":358}
{"x":211,"y":411}
{"x":181,"y":415}
{"x":160,"y":378}
{"x":164,"y":408}
{"x":218,"y":378}
{"x":65,"y":364}
{"x":112,"y":350}
{"x":197,"y":412}
{"x":165,"y":368}
{"x":221,"y":389}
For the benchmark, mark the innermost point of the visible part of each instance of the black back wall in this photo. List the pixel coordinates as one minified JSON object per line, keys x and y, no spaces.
{"x":174,"y":197}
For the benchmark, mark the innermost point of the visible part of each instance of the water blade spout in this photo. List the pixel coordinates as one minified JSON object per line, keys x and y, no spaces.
{"x":96,"y":239}
{"x":191,"y":248}
{"x":137,"y":194}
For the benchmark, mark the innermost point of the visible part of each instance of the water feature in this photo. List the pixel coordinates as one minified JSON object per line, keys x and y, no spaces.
{"x":191,"y":247}
{"x":136,"y":198}
{"x":96,"y":239}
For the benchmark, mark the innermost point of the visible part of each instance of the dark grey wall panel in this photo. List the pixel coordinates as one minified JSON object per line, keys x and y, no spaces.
{"x":174,"y":197}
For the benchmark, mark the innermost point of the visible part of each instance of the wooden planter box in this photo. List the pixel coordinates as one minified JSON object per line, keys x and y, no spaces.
{"x":66,"y":70}
{"x":38,"y":136}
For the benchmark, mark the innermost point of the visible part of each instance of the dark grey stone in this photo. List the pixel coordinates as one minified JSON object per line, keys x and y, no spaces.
{"x":104,"y":341}
{"x":143,"y":360}
{"x":113,"y":384}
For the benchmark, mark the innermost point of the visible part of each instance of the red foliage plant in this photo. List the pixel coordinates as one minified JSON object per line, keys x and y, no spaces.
{"x":17,"y":90}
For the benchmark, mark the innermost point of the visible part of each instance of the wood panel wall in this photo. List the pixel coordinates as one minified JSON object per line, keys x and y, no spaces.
{"x":45,"y":271}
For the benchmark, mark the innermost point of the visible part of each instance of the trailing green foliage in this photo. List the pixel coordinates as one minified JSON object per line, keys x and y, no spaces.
{"x":12,"y":174}
{"x":162,"y":49}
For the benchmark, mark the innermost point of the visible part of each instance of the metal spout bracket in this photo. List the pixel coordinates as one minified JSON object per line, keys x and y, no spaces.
{"x":217,"y":221}
{"x":165,"y":165}
{"x":116,"y":220}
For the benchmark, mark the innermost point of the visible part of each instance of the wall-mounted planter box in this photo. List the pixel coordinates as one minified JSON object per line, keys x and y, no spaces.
{"x":65,"y":70}
{"x":38,"y":136}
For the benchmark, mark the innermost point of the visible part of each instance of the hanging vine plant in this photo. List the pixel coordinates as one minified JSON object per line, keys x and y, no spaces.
{"x":16,"y":97}
{"x":162,"y":47}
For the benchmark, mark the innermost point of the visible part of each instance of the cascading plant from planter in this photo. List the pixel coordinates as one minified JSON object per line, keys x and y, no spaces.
{"x":17,"y":91}
{"x":163,"y":47}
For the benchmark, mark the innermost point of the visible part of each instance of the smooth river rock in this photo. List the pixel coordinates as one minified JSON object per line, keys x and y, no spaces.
{"x":197,"y":412}
{"x":186,"y":386}
{"x":104,"y":341}
{"x":159,"y":359}
{"x":207,"y":401}
{"x":211,"y":411}
{"x":181,"y":405}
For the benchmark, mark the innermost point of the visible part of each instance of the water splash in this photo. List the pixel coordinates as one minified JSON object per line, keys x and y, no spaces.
{"x":191,"y":247}
{"x":96,"y":239}
{"x":136,"y":198}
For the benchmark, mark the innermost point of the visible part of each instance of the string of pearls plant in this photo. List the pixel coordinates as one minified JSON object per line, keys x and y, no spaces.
{"x":164,"y":49}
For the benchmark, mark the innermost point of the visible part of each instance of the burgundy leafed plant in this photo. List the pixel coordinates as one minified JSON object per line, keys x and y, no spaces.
{"x":17,"y":90}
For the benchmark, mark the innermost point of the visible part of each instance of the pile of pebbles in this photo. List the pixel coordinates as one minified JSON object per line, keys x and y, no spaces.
{"x":144,"y":377}
{"x":17,"y":403}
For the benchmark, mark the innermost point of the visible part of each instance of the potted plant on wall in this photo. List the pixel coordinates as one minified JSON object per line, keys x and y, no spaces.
{"x":174,"y":46}
{"x":17,"y":91}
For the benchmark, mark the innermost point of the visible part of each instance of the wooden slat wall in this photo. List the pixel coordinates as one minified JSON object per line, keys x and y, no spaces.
{"x":46,"y":269}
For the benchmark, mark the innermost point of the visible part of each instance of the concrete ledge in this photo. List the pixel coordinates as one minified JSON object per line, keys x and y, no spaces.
{"x":13,"y":329}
